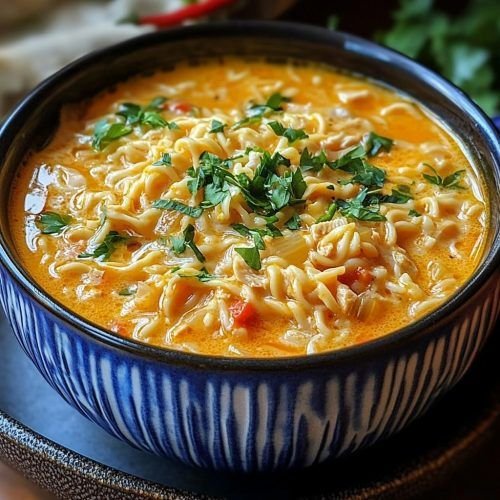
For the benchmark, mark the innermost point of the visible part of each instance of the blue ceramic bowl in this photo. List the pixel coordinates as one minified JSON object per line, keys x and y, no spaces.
{"x":250,"y":414}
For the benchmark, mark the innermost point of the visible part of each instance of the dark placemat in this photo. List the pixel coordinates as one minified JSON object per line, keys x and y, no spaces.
{"x":451,"y":449}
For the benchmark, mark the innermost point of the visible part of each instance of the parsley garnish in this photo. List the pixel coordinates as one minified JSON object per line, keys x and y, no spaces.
{"x":364,"y":173}
{"x":294,"y":222}
{"x":128,"y":291}
{"x":147,"y":115}
{"x":292,"y":134}
{"x":107,"y":247}
{"x":165,"y":160}
{"x":414,"y":213}
{"x":216,"y":127}
{"x":451,"y":181}
{"x":251,"y":256}
{"x":179,"y":243}
{"x":256,"y":111}
{"x":162,"y":204}
{"x":330,"y":212}
{"x":310,"y":162}
{"x":53,"y":223}
{"x":105,"y":133}
{"x":374,"y":143}
{"x":361,"y":207}
{"x":400,"y":195}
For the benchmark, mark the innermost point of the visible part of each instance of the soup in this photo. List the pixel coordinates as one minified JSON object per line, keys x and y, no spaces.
{"x":250,"y":209}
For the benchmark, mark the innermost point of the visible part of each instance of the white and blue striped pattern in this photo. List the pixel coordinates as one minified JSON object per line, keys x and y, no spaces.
{"x":249,"y":420}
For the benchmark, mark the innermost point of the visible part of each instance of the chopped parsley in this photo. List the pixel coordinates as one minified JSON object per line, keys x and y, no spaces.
{"x":375,"y":143}
{"x":165,"y":160}
{"x":216,"y":127}
{"x":178,"y":206}
{"x":294,"y":222}
{"x":128,"y":291}
{"x":451,"y":181}
{"x":400,"y":195}
{"x":53,"y":223}
{"x":330,"y":212}
{"x":292,"y":134}
{"x":362,"y":207}
{"x":181,"y":242}
{"x":310,"y":162}
{"x":364,"y":173}
{"x":104,"y":250}
{"x":105,"y":133}
{"x":255,"y":112}
{"x":133,"y":114}
{"x":414,"y":213}
{"x":147,"y":115}
{"x":251,"y":256}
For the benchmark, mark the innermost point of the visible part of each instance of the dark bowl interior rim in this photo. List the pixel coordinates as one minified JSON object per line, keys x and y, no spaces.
{"x":255,"y":29}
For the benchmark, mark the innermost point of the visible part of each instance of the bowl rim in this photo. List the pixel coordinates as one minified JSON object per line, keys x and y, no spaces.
{"x":258,"y":29}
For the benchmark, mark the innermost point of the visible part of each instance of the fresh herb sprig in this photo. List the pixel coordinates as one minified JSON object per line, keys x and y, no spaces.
{"x":105,"y":249}
{"x":256,"y":112}
{"x":181,"y":242}
{"x":451,"y":181}
{"x":133,"y":114}
{"x":53,"y":223}
{"x":168,"y":204}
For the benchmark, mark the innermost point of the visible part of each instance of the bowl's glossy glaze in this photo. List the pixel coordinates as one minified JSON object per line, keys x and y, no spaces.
{"x":249,"y":414}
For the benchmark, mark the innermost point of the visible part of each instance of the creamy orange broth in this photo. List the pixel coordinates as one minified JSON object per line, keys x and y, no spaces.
{"x":323,"y":286}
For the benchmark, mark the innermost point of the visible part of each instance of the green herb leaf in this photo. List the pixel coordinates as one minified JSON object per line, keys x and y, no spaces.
{"x":153,"y":119}
{"x":375,"y":143}
{"x":107,"y":247}
{"x":256,"y":111}
{"x":179,"y":207}
{"x":451,"y":181}
{"x":189,"y":240}
{"x":414,"y":213}
{"x":314,"y":163}
{"x":401,"y":195}
{"x":217,"y":127}
{"x":181,"y":242}
{"x":53,"y":223}
{"x":251,"y":256}
{"x":205,"y":276}
{"x":105,"y":133}
{"x":364,"y":173}
{"x":294,"y":222}
{"x":357,"y":209}
{"x":128,"y":291}
{"x":178,"y":244}
{"x":329,"y":214}
{"x":166,"y":160}
{"x":292,"y":134}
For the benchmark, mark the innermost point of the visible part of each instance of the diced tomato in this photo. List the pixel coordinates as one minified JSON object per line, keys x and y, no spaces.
{"x":361,"y":276}
{"x":180,"y":107}
{"x":243,"y":312}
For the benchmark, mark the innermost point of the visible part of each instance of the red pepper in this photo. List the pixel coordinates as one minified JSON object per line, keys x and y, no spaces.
{"x":188,"y":12}
{"x":180,"y":107}
{"x":243,"y":312}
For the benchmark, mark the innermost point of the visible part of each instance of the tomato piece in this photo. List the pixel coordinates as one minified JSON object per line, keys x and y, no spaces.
{"x":180,"y":107}
{"x":243,"y":312}
{"x":359,"y":275}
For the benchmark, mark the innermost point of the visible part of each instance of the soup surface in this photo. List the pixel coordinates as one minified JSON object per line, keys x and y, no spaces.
{"x":249,"y":209}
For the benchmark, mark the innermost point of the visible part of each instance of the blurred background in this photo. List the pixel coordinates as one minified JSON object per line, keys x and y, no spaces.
{"x":458,"y":38}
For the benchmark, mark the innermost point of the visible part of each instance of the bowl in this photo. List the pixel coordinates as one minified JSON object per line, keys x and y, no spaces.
{"x":249,"y":414}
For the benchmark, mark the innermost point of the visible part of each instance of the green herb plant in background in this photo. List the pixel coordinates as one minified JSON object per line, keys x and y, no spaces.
{"x":464,"y":48}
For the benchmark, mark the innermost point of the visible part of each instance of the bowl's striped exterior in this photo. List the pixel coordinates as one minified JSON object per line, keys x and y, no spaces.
{"x":249,"y":420}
